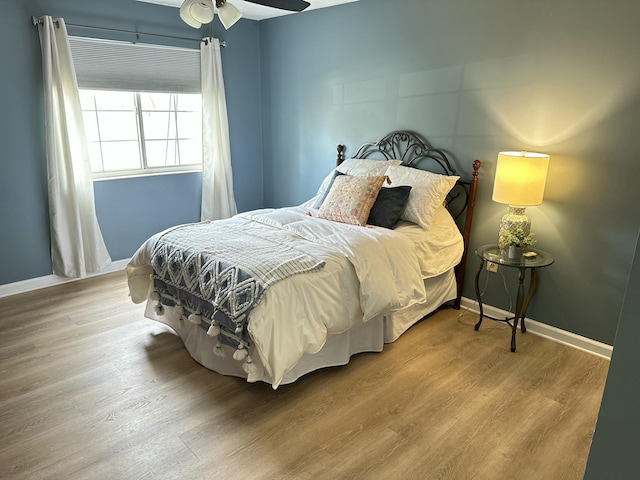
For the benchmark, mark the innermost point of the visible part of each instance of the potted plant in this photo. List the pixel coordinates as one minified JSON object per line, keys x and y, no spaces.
{"x":516,"y":242}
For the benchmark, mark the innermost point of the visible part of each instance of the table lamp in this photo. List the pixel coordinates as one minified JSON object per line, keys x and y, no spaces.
{"x":520,"y":180}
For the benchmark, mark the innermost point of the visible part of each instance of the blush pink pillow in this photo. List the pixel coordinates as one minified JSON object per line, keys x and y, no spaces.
{"x":350,"y":199}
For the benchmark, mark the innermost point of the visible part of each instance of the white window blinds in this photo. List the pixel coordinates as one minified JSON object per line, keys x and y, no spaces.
{"x":111,"y":65}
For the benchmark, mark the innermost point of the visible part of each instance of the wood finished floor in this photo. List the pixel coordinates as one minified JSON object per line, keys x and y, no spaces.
{"x":90,"y":389}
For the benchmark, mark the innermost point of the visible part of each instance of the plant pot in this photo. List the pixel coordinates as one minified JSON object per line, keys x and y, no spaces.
{"x":515,"y":253}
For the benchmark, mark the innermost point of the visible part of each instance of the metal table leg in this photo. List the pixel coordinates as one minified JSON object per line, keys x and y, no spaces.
{"x":533,"y":284}
{"x":478,"y":297}
{"x":519,"y":307}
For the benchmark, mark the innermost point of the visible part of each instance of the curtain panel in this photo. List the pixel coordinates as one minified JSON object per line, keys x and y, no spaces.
{"x":218,"y":200}
{"x":77,"y":245}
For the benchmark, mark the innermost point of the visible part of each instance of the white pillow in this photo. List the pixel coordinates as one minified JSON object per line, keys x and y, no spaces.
{"x":364,"y":167}
{"x":357,"y":167}
{"x":324,"y":188}
{"x":428,"y":192}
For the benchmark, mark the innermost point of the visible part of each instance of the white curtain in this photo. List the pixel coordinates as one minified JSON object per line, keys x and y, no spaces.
{"x":217,"y":179}
{"x":77,"y":246}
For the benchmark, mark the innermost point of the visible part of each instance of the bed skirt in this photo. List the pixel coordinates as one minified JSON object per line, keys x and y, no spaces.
{"x":338,"y":349}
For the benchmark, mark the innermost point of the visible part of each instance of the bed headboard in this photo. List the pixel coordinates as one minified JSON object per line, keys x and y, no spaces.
{"x":418,"y":153}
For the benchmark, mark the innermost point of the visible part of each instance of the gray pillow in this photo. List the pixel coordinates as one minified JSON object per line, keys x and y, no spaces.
{"x":389,"y":206}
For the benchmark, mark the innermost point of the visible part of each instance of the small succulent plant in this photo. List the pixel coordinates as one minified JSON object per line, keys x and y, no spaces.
{"x":517,"y":238}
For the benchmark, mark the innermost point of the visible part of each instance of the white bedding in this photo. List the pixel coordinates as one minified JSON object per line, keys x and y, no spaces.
{"x":367,"y":272}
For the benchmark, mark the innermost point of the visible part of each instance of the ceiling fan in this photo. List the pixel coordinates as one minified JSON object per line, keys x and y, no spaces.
{"x":196,"y":12}
{"x":291,"y":5}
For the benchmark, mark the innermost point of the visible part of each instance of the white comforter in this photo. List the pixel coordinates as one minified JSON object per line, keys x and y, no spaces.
{"x":367,"y":271}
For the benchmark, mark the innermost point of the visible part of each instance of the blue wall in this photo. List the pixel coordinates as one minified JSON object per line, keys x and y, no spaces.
{"x":129,"y":210}
{"x":476,"y":78}
{"x":617,"y":436}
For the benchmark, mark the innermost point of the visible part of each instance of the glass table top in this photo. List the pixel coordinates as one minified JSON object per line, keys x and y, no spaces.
{"x":532,"y":258}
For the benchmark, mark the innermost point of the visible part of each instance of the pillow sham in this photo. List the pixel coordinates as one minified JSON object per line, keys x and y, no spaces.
{"x":388,"y":207}
{"x":350,"y":199}
{"x":365,"y":167}
{"x":362,"y":167}
{"x":429,"y":191}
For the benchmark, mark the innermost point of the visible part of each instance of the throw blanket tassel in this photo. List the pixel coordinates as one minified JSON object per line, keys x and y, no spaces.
{"x":179,"y":312}
{"x":195,"y":318}
{"x":241,"y":353}
{"x":158,"y":307}
{"x":249,"y":367}
{"x":214,"y":330}
{"x":218,"y":350}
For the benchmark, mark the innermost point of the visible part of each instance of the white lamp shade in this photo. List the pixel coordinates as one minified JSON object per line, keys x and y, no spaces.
{"x":196,"y":12}
{"x":228,"y":15}
{"x":520,"y":178}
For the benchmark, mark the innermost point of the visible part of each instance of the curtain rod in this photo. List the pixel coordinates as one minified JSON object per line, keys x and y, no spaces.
{"x":37,"y":21}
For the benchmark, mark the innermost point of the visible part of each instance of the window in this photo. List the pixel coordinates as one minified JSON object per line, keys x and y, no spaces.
{"x":142,"y":132}
{"x":133,"y":125}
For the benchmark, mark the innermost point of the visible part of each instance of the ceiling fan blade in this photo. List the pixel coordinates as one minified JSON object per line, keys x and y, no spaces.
{"x":292,"y":5}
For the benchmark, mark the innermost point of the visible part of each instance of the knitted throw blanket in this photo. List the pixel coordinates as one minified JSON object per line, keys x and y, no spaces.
{"x":214,"y":273}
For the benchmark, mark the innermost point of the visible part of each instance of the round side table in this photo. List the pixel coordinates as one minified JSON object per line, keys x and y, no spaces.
{"x":530,"y":261}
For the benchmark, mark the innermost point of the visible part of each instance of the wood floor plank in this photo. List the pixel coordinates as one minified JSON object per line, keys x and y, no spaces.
{"x":90,"y":389}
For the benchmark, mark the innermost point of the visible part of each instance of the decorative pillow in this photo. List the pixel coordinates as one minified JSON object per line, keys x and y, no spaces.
{"x":389,"y":205}
{"x":350,"y":199}
{"x":361,"y":167}
{"x":428,"y":193}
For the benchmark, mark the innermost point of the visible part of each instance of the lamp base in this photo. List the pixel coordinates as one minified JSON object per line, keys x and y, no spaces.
{"x":511,"y":221}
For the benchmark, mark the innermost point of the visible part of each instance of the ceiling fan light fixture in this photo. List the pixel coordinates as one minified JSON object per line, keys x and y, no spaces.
{"x":196,"y":12}
{"x":227,"y":13}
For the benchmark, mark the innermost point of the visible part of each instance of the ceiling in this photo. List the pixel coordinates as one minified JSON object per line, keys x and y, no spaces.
{"x":253,"y":11}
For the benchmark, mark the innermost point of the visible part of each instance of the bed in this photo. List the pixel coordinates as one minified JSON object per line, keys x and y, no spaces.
{"x":273,"y":294}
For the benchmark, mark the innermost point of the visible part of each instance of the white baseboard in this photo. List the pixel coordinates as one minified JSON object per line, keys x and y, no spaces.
{"x":547,"y":331}
{"x":51,"y":280}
